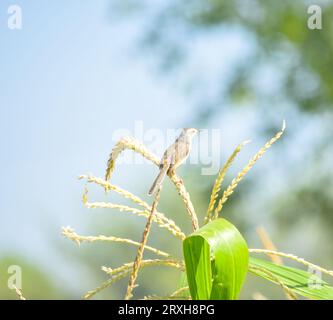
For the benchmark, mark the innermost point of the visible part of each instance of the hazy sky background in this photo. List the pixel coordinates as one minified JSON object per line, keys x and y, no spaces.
{"x":67,"y":81}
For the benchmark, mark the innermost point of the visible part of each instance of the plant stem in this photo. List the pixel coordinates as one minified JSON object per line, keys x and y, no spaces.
{"x":138,"y":259}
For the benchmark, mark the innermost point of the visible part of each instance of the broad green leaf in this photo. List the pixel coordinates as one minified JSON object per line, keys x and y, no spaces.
{"x":216,"y":259}
{"x":299,"y":281}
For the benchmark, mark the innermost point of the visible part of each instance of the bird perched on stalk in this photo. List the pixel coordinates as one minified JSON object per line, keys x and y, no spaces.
{"x":174,"y":156}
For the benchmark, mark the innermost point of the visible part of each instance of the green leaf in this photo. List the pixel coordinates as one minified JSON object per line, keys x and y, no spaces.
{"x":216,"y":259}
{"x":299,"y":281}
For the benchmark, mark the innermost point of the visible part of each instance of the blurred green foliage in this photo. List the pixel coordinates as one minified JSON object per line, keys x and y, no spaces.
{"x":299,"y":62}
{"x":36,"y":284}
{"x":279,"y":30}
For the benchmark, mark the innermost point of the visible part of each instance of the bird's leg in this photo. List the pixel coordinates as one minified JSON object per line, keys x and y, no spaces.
{"x":171,"y":171}
{"x":172,"y":174}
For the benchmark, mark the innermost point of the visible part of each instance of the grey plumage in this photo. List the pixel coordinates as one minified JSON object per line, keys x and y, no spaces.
{"x":159,"y":179}
{"x":174,"y":156}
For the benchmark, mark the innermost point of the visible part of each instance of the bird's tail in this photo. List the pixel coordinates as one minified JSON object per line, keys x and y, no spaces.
{"x":159,"y":179}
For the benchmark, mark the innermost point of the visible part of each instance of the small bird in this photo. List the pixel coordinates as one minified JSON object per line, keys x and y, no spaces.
{"x":174,"y":156}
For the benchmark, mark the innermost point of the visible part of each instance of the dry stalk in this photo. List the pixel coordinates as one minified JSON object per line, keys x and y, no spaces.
{"x":159,"y":217}
{"x":108,"y":186}
{"x":69,"y":233}
{"x":269,"y":245}
{"x":293,"y":257}
{"x":106,"y":284}
{"x":179,"y":291}
{"x":173,"y":263}
{"x":138,"y":259}
{"x":155,"y":297}
{"x":258,"y":296}
{"x":178,"y":182}
{"x":136,"y":146}
{"x":131,"y":144}
{"x":19,"y":293}
{"x":220,"y":178}
{"x":285,"y":288}
{"x":123,"y":271}
{"x":246,"y":169}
